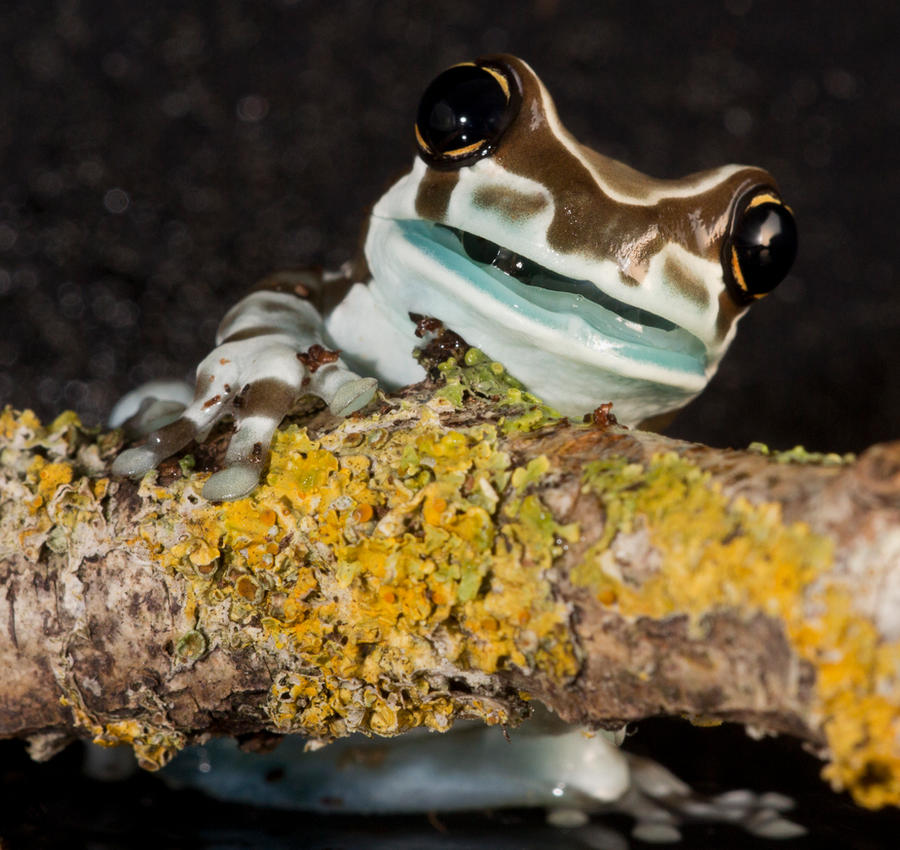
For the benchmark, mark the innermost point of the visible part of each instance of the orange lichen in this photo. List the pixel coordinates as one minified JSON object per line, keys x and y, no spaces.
{"x":52,"y":476}
{"x":14,"y":425}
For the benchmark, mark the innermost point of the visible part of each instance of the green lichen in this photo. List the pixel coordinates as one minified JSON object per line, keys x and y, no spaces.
{"x":800,"y":455}
{"x":191,"y":646}
{"x":186,"y":464}
{"x":482,"y":377}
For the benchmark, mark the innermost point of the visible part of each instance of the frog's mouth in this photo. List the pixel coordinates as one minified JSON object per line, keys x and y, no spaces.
{"x":538,"y":292}
{"x":530,"y":273}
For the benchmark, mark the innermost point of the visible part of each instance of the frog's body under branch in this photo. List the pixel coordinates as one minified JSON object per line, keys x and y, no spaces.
{"x":434,"y":559}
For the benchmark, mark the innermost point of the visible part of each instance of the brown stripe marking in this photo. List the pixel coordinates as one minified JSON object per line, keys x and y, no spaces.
{"x":172,"y":438}
{"x":509,"y":203}
{"x":683,"y":282}
{"x":433,"y":195}
{"x":587,"y":220}
{"x":269,"y":397}
{"x":255,"y":331}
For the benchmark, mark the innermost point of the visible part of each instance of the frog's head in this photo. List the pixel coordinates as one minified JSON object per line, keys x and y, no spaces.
{"x":589,"y":280}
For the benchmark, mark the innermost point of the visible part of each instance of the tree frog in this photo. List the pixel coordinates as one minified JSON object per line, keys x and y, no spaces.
{"x":590,"y":281}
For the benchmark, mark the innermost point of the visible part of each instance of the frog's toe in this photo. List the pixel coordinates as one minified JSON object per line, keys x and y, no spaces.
{"x":231,"y":483}
{"x":767,"y":823}
{"x":151,"y":406}
{"x":134,"y":463}
{"x":353,"y":396}
{"x":342,"y":390}
{"x":157,"y":415}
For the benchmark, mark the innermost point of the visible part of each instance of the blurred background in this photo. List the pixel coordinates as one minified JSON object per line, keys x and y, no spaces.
{"x":156,"y":159}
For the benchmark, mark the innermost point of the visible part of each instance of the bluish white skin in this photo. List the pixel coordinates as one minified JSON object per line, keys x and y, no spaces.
{"x":259,"y":360}
{"x":572,"y":353}
{"x":543,"y":763}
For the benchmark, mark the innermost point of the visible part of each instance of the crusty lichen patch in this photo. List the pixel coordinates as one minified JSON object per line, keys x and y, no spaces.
{"x":153,"y":744}
{"x":49,"y":496}
{"x":714,"y":553}
{"x":379,"y":593}
{"x":478,"y":375}
{"x":378,"y":589}
{"x":53,"y":495}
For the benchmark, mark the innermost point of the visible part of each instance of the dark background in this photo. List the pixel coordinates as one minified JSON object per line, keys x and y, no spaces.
{"x":155,"y":161}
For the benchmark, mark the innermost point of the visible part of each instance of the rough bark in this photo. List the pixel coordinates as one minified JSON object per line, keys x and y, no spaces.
{"x":454,"y":551}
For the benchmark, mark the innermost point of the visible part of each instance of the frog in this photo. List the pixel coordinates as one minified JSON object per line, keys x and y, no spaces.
{"x":590,"y":281}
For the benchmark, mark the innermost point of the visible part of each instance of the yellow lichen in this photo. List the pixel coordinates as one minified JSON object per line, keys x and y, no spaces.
{"x":13,"y":423}
{"x":715,"y":553}
{"x":367,"y":579}
{"x":362,"y":581}
{"x":49,"y":499}
{"x":53,"y":476}
{"x":153,"y":746}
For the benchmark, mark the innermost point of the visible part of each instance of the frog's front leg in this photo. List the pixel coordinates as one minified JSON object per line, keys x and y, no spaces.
{"x":270,"y":350}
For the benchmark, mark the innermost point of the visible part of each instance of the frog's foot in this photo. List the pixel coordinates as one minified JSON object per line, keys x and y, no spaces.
{"x":262,"y":407}
{"x":162,"y":443}
{"x":150,"y":407}
{"x":659,"y":802}
{"x":256,"y":385}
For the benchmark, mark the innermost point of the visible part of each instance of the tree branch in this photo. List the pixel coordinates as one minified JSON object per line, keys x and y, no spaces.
{"x":457,"y":551}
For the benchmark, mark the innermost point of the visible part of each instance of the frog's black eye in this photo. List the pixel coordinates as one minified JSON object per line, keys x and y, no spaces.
{"x":761,"y":247}
{"x":463,"y":113}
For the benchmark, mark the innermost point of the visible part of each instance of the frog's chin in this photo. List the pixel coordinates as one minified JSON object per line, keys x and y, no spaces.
{"x":574,"y":352}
